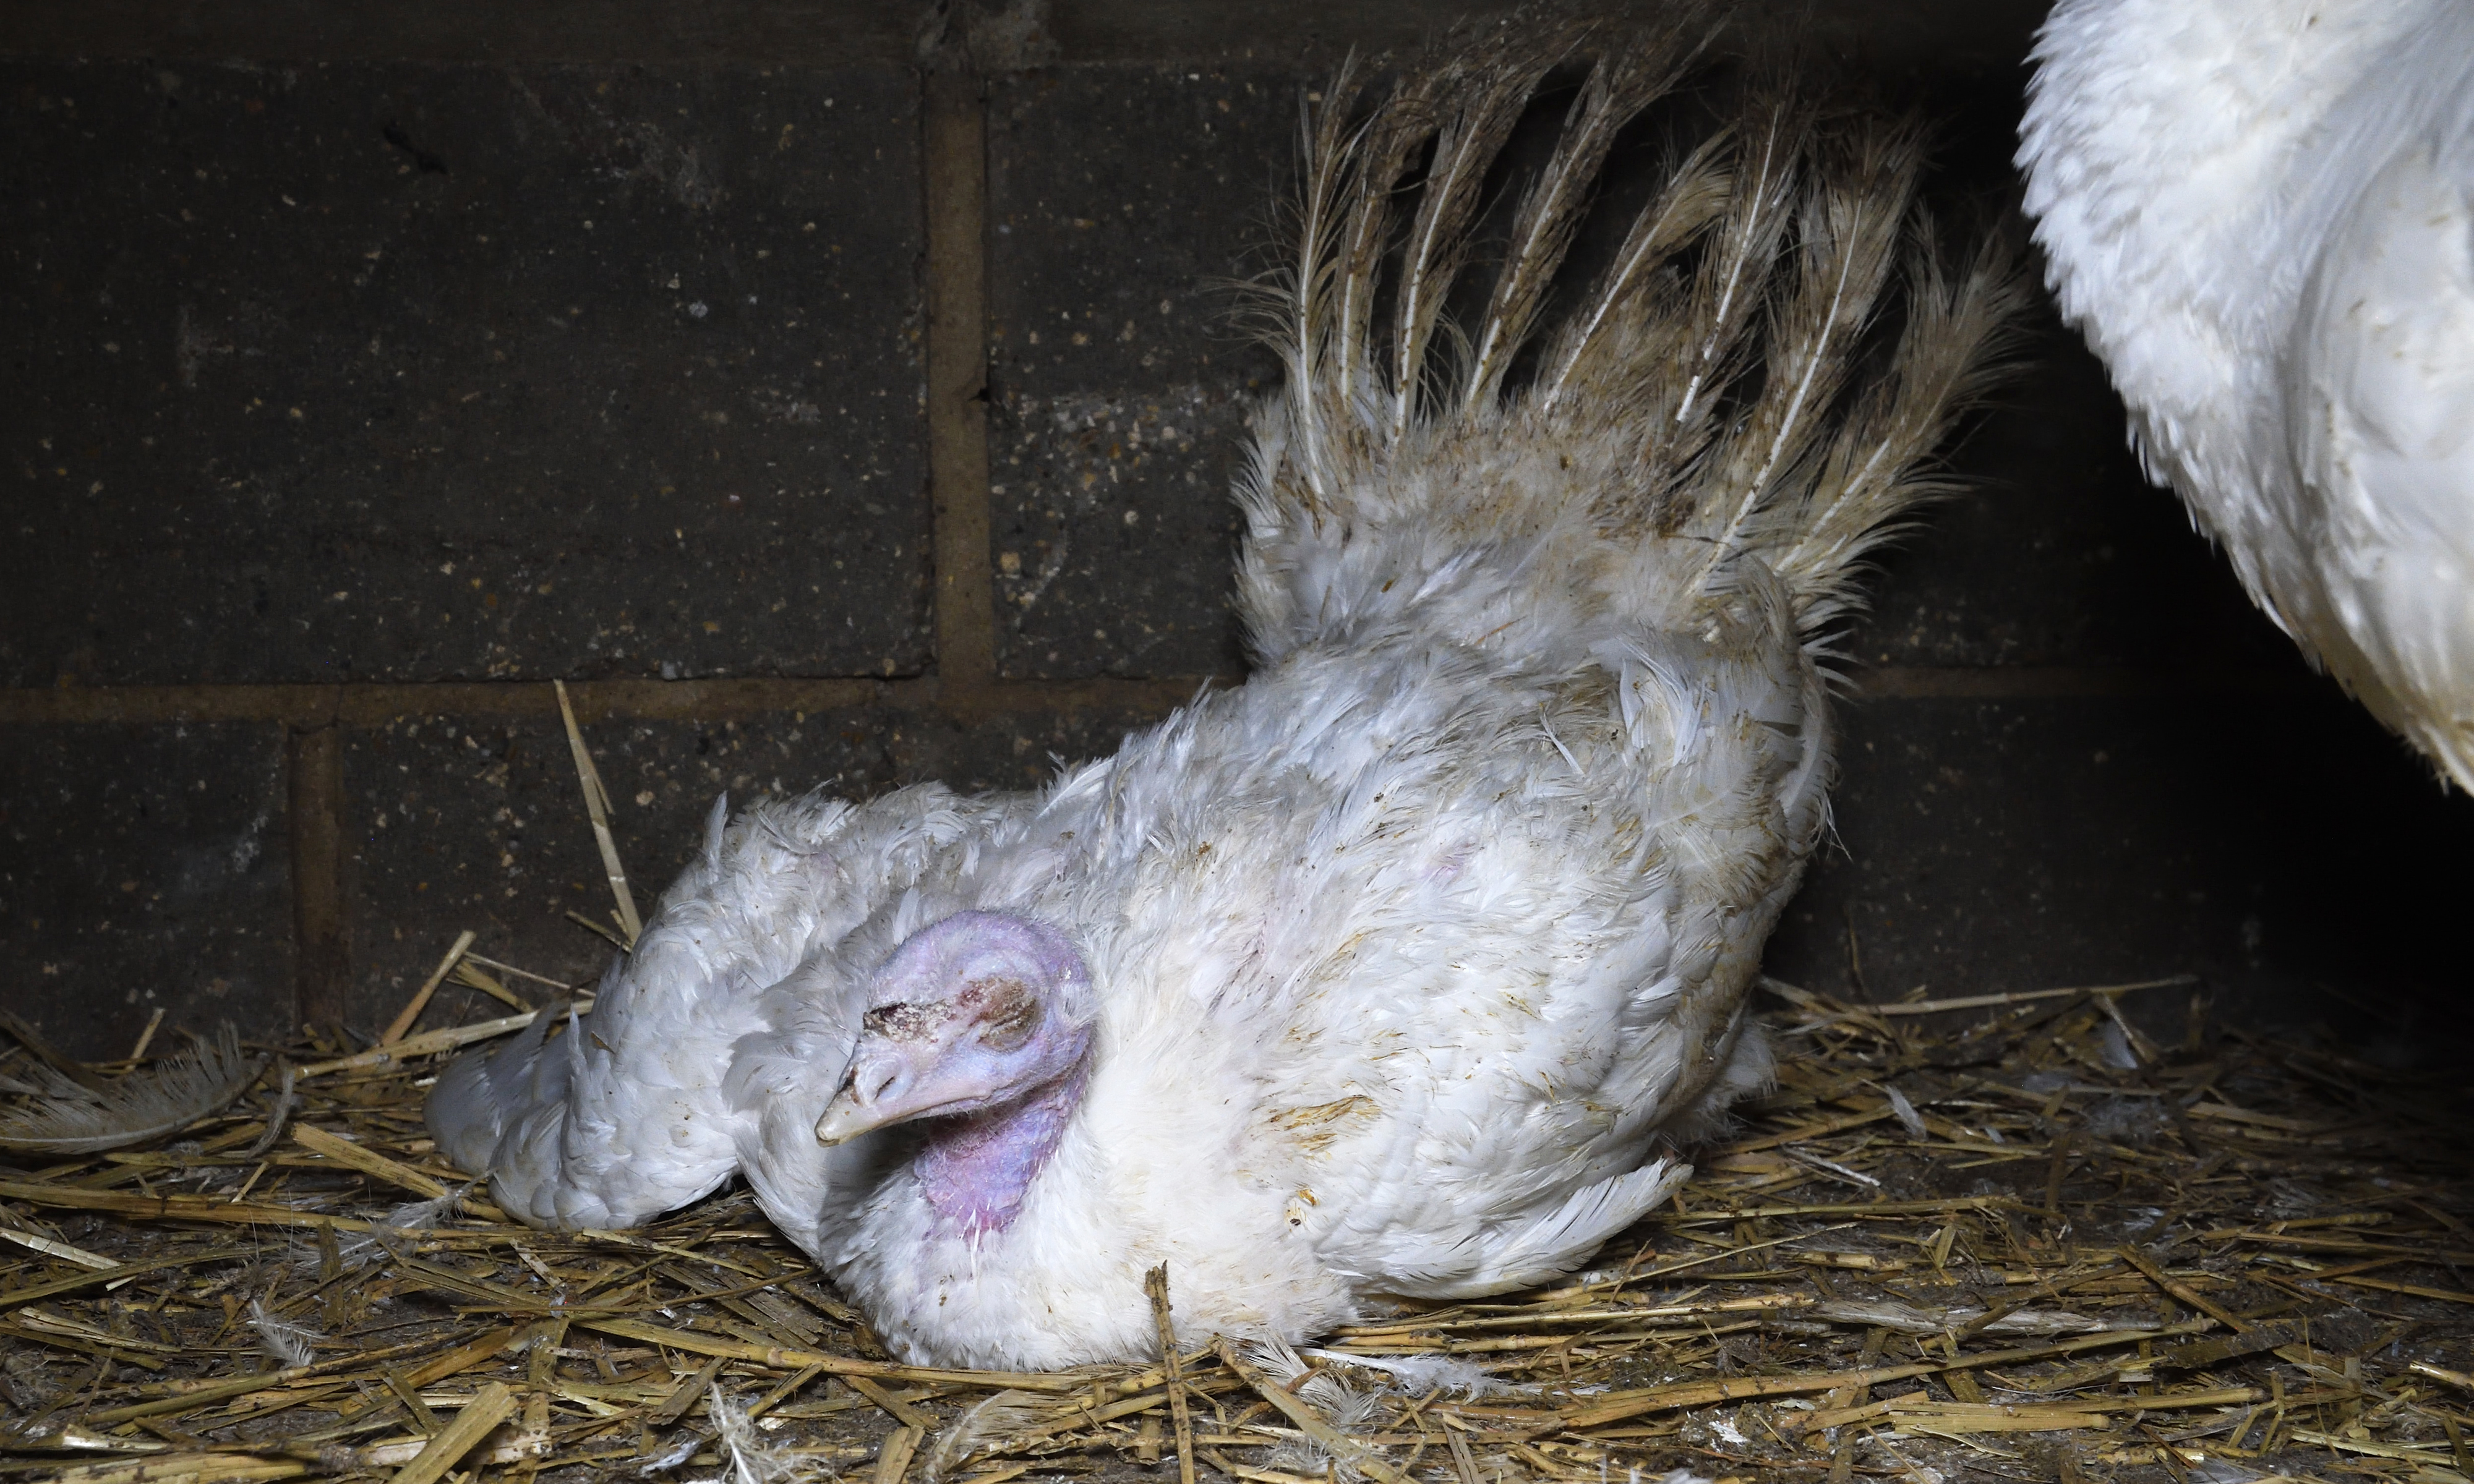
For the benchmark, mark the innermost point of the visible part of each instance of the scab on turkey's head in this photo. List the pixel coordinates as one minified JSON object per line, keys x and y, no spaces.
{"x":972,"y":1013}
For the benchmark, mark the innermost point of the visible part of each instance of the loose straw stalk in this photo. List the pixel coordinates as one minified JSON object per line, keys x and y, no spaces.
{"x":590,"y":1350}
{"x":419,"y":1001}
{"x":1969,"y":1275}
{"x":492,"y":1404}
{"x":596,"y":804}
{"x":1155,"y":1284}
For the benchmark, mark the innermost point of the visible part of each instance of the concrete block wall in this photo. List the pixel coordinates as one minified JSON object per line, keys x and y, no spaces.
{"x":838,"y":394}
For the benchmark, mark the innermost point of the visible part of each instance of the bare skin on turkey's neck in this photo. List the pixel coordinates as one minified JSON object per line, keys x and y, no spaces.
{"x":975,"y":1169}
{"x":979,"y":1031}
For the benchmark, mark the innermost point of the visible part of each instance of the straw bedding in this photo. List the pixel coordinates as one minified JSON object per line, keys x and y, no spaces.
{"x":2014,"y":1239}
{"x":2001,"y":1236}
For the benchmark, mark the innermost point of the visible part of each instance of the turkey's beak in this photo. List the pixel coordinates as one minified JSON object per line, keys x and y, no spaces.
{"x":842,"y":1123}
{"x":880,"y":1087}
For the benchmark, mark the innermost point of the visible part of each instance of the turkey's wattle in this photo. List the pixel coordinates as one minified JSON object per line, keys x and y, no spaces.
{"x":2261,"y":214}
{"x":1395,"y":970}
{"x":982,"y":1024}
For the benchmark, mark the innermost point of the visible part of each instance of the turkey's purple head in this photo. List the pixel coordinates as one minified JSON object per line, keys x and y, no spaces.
{"x":977,"y":1012}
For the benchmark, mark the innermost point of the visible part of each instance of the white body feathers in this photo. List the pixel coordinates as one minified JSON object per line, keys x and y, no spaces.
{"x":2261,"y":213}
{"x":1408,"y":952}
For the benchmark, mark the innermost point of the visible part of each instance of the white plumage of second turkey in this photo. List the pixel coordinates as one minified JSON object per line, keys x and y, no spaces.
{"x":1397,"y":968}
{"x":2261,"y":213}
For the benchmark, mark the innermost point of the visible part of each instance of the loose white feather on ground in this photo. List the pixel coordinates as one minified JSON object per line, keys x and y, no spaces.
{"x":64,"y":1117}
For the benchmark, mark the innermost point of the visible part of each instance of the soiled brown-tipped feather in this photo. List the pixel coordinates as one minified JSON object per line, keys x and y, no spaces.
{"x":1626,"y":81}
{"x":152,"y":1102}
{"x":1696,"y":192}
{"x":1467,"y":142}
{"x":1849,"y":232}
{"x":1728,"y":292}
{"x":1880,"y":466}
{"x":1723,"y":385}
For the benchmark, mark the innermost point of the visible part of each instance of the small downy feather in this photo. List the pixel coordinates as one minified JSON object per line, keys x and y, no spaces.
{"x":1423,"y":1375}
{"x":355,"y":1249}
{"x":288,"y":1343}
{"x":154,"y":1102}
{"x":680,"y":1450}
{"x":1908,"y":1319}
{"x":747,"y":1457}
{"x":418,"y":1215}
{"x":985,"y":1422}
{"x":1346,"y":1408}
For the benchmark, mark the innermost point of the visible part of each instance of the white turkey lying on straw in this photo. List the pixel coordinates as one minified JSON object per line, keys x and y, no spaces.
{"x":2261,"y":213}
{"x":63,"y":1116}
{"x":1395,"y":970}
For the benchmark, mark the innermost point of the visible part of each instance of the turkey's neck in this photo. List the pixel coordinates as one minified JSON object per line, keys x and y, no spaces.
{"x":975,"y":1170}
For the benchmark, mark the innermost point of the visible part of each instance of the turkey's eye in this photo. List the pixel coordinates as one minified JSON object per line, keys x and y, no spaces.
{"x":1012,"y":1025}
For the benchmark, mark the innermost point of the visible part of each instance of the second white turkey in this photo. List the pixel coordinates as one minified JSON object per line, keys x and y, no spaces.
{"x":1398,"y":968}
{"x":2261,"y":213}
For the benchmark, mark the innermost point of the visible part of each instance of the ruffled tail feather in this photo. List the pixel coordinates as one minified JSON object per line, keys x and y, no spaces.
{"x":1720,"y":395}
